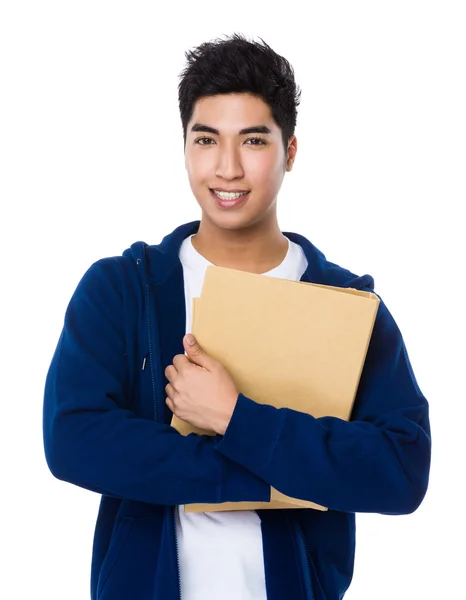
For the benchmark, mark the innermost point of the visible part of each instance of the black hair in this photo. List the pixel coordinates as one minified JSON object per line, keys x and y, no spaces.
{"x":236,"y":65}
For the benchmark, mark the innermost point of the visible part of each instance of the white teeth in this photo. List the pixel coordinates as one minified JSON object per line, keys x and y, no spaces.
{"x":229,"y":195}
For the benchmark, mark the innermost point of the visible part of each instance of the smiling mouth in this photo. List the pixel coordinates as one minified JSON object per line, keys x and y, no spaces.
{"x":233,"y":195}
{"x":229,"y":200}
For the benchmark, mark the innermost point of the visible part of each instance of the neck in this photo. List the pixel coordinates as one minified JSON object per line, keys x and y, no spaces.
{"x":253,"y":249}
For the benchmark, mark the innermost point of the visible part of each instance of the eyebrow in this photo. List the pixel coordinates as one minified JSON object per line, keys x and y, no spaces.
{"x":245,"y":131}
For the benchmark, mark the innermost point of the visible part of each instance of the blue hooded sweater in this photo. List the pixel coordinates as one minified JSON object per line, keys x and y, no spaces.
{"x":107,"y":429}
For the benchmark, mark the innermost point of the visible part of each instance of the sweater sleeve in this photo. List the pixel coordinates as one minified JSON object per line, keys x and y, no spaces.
{"x":377,"y":462}
{"x":92,"y":440}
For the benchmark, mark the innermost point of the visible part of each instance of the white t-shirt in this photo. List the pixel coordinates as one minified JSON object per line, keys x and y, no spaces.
{"x":220,"y":553}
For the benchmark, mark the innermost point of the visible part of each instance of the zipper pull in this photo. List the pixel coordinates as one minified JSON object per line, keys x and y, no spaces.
{"x":144,"y":361}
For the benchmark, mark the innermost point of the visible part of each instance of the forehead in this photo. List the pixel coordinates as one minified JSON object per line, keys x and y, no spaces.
{"x":231,"y":112}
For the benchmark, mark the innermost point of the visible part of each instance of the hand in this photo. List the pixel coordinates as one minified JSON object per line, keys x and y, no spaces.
{"x":203,"y":394}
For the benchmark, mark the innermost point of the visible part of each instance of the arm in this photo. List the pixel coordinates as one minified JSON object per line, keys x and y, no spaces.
{"x":377,"y":462}
{"x":92,"y":440}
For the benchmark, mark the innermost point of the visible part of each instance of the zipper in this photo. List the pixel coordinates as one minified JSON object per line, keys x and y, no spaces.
{"x":302,"y":539}
{"x":156,"y":416}
{"x":176,"y":547}
{"x":151,"y":361}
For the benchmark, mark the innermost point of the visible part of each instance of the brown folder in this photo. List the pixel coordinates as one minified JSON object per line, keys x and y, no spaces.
{"x":285,"y":343}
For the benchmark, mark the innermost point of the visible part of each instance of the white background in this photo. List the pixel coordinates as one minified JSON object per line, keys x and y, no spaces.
{"x":92,"y":160}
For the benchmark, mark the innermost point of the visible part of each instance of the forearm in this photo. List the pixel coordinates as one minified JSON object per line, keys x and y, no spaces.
{"x":115,"y":453}
{"x":348,"y":466}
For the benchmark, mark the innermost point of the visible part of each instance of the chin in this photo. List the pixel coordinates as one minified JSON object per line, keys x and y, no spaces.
{"x":232,"y":222}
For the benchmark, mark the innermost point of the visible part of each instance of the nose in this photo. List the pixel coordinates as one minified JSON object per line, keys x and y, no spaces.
{"x":229,"y":163}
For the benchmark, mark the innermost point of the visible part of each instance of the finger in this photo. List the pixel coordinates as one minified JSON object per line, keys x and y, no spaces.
{"x":170,"y":405}
{"x":170,"y":373}
{"x":180,"y":361}
{"x":170,"y":390}
{"x":171,"y":369}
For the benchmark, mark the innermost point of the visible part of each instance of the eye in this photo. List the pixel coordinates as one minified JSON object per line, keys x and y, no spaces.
{"x":203,"y":138}
{"x":205,"y":141}
{"x":262,"y":141}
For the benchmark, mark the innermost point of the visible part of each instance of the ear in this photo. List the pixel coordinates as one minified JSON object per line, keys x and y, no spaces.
{"x":291,"y":152}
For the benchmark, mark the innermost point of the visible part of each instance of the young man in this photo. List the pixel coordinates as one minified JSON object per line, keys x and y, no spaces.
{"x":120,"y":371}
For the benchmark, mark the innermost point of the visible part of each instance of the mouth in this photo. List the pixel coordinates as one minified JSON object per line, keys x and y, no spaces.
{"x":229,"y":199}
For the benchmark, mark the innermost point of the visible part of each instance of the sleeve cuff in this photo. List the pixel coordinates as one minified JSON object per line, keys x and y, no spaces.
{"x":252,"y":434}
{"x":241,"y":485}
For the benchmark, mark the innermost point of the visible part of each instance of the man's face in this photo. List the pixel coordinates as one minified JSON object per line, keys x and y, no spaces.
{"x":232,"y":160}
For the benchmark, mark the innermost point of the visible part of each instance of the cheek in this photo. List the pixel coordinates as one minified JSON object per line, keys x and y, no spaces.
{"x":198,"y":168}
{"x":266,"y":171}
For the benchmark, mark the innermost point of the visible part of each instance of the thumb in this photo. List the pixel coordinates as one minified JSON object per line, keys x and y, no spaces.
{"x":195,"y":352}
